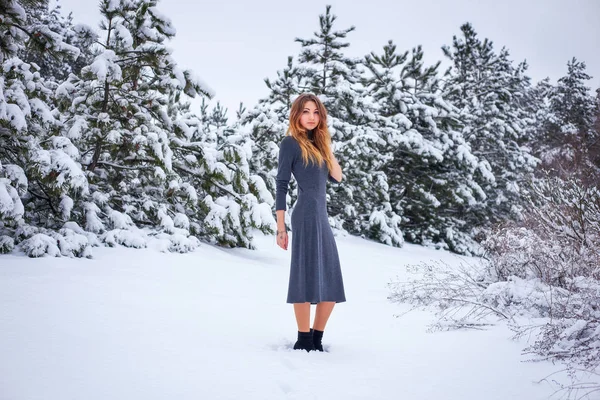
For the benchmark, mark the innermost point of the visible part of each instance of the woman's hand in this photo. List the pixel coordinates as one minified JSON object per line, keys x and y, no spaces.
{"x":282,"y":239}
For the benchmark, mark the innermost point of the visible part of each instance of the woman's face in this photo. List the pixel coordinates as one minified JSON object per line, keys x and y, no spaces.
{"x":310,"y":116}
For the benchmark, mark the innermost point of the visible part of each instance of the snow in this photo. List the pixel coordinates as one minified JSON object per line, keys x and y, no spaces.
{"x":130,"y":237}
{"x":10,"y":202}
{"x":40,"y":108}
{"x":222,"y":209}
{"x":8,"y":196}
{"x":112,"y":5}
{"x":15,"y":174}
{"x":93,"y":223}
{"x":55,"y":41}
{"x":73,"y":243}
{"x":105,"y":67}
{"x":16,"y":117}
{"x":120,"y":220}
{"x":263,"y":191}
{"x":59,"y":161}
{"x":124,"y":34}
{"x":166,"y":222}
{"x":389,"y":234}
{"x":66,"y":206}
{"x":198,"y":82}
{"x":213,"y":324}
{"x":179,"y":82}
{"x":181,"y":221}
{"x":79,"y":126}
{"x":190,"y":191}
{"x":15,"y":9}
{"x":84,"y":30}
{"x":166,"y":25}
{"x":40,"y":244}
{"x":7,"y":244}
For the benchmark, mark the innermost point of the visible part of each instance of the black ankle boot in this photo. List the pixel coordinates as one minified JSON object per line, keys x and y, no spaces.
{"x":305,"y":341}
{"x":317,"y":338}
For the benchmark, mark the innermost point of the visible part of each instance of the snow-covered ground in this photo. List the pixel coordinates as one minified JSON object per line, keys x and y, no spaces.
{"x":213,"y":324}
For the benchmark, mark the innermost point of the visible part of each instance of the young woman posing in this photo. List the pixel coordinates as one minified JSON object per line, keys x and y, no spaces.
{"x":315,"y":273}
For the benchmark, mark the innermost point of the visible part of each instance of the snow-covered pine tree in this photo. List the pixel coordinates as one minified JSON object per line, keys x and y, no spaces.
{"x":210,"y":124}
{"x":13,"y":182}
{"x":266,"y":125}
{"x":571,"y":141}
{"x":431,"y":168}
{"x":488,"y":90}
{"x":361,"y":203}
{"x":572,"y":103}
{"x":38,"y":176}
{"x":143,"y":167}
{"x":234,"y":200}
{"x":80,"y":36}
{"x":330,"y":74}
{"x":289,"y":83}
{"x":382,"y":84}
{"x":536,"y":104}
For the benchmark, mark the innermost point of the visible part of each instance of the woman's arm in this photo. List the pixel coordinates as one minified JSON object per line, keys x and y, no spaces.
{"x":336,"y":172}
{"x":284,"y":173}
{"x":287,"y":155}
{"x":280,"y":220}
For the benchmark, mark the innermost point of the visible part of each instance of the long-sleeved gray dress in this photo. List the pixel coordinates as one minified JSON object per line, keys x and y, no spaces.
{"x":315,"y":273}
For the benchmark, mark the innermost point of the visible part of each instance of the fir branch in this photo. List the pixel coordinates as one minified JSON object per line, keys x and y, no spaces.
{"x":189,"y":171}
{"x":141,"y":167}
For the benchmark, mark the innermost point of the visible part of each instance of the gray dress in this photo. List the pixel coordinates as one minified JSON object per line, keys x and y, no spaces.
{"x":315,"y":273}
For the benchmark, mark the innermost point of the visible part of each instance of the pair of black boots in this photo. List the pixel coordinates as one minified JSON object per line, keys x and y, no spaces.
{"x":309,"y":340}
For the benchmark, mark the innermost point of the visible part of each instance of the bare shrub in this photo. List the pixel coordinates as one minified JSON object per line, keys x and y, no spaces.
{"x":545,"y":268}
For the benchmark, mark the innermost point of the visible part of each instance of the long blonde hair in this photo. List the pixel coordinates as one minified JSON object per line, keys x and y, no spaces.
{"x":321,"y":150}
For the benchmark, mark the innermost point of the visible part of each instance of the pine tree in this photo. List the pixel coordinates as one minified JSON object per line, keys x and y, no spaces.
{"x":284,"y":89}
{"x":488,"y":90}
{"x":571,"y":143}
{"x":431,"y":168}
{"x":212,"y":123}
{"x":536,"y":104}
{"x":233,"y":201}
{"x":38,"y":176}
{"x":572,"y":103}
{"x":331,"y":75}
{"x":136,"y":139}
{"x":325,"y":66}
{"x":382,"y":84}
{"x":81,"y":37}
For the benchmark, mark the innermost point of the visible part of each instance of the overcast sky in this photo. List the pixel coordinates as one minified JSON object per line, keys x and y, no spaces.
{"x":234,"y":45}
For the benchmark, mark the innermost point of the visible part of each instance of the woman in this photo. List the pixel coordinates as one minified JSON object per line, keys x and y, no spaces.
{"x":315,"y":273}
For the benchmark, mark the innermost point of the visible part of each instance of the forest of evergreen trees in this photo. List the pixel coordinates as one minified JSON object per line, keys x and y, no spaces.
{"x":100,"y":145}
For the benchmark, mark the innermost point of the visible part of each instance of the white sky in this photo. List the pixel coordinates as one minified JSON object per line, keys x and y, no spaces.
{"x":234,"y":45}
